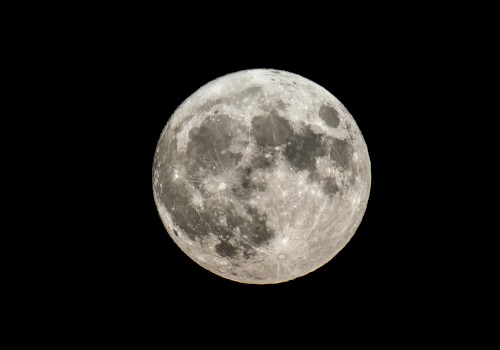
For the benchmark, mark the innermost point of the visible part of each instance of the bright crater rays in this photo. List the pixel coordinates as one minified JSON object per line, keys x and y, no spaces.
{"x":261,"y":176}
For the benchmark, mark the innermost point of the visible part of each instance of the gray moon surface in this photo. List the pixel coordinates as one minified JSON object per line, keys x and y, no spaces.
{"x":261,"y":176}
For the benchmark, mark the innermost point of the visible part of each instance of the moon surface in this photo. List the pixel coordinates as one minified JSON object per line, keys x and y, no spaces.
{"x":261,"y":176}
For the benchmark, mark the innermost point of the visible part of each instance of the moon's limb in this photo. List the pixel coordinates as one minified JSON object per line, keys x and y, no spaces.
{"x":261,"y":176}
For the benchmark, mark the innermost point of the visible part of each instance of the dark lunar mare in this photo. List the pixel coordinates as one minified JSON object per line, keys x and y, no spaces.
{"x":207,"y":150}
{"x":207,"y":154}
{"x":341,"y":152}
{"x":270,"y":130}
{"x":302,"y":149}
{"x":330,"y":115}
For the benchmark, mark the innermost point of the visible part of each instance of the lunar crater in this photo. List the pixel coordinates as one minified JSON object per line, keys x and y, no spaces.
{"x":261,"y":181}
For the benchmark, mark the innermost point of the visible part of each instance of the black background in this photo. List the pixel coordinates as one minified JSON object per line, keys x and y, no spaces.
{"x":123,"y":76}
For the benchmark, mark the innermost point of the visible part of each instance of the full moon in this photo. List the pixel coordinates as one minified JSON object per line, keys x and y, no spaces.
{"x":261,"y":176}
